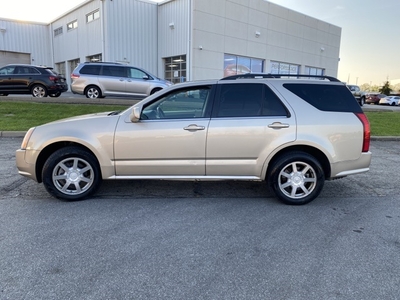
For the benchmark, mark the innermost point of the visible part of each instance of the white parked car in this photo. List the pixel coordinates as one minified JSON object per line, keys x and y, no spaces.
{"x":390,"y":100}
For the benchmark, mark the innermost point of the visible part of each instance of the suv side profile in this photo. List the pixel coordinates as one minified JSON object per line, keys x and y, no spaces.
{"x":292,"y":133}
{"x":98,"y":80}
{"x":38,"y":81}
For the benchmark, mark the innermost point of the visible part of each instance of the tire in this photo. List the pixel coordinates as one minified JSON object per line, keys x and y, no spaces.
{"x":93,"y":92}
{"x":39,"y":91}
{"x":362,"y":101}
{"x":58,"y":94}
{"x":71,"y":173}
{"x":300,"y":186}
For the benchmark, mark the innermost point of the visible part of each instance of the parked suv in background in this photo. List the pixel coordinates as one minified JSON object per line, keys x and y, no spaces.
{"x":357,"y":93}
{"x":98,"y":80}
{"x":27,"y":79}
{"x":292,"y":133}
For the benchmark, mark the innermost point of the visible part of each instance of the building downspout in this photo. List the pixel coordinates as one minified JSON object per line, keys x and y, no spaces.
{"x":189,"y":65}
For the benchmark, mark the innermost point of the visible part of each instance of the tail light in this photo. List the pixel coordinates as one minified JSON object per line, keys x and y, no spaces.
{"x":367,"y":131}
{"x":74,"y":76}
{"x":53,"y":78}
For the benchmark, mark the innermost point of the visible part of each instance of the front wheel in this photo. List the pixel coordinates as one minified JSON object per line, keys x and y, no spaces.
{"x":71,"y":173}
{"x":296,"y":178}
{"x":39,"y":91}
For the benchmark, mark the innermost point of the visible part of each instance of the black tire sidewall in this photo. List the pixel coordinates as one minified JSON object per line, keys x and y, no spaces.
{"x":64,"y":153}
{"x":282,"y":162}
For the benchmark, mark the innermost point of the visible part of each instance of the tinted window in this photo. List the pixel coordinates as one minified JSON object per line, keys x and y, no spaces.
{"x":90,"y":69}
{"x":114,"y":71}
{"x":248,"y":100}
{"x":326,"y":97}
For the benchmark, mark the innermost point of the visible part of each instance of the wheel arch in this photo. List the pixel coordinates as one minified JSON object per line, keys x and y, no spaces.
{"x":50,"y":149}
{"x":318,"y":154}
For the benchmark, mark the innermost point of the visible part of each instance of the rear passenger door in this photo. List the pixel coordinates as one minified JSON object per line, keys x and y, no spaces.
{"x":248,"y":122}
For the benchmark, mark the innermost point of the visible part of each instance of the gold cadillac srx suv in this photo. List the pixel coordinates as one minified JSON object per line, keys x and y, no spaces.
{"x":294,"y":133}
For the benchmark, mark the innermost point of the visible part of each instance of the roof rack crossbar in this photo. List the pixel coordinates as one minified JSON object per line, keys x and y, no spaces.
{"x":269,"y":75}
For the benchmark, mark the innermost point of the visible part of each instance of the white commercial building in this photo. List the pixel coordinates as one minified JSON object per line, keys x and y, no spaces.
{"x":178,"y":40}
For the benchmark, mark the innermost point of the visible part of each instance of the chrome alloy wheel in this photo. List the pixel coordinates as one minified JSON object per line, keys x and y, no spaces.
{"x":73,"y":176}
{"x":93,"y":93}
{"x":38,"y":91}
{"x":297,"y":180}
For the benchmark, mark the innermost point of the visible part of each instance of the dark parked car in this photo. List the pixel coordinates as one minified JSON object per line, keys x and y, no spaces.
{"x":373,"y":98}
{"x":27,"y":79}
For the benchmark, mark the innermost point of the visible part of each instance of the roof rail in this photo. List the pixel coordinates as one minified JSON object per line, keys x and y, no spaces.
{"x":102,"y":62}
{"x":268,"y":75}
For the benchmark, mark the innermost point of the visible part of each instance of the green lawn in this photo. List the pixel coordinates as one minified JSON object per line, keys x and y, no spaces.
{"x":20,"y":116}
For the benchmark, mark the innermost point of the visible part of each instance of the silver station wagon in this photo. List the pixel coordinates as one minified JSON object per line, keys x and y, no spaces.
{"x":292,"y":133}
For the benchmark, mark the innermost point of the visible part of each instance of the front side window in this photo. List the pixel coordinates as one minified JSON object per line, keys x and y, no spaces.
{"x":179,"y":104}
{"x":137,"y":74}
{"x":248,"y":100}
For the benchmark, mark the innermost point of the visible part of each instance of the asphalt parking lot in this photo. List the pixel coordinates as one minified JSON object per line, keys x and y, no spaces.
{"x":207,"y":240}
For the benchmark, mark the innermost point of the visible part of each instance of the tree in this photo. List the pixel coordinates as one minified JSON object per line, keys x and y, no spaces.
{"x":386,"y":89}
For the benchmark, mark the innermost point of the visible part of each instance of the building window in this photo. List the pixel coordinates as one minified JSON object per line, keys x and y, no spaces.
{"x":60,"y":68}
{"x":234,"y":65}
{"x":314,"y":71}
{"x":175,"y":68}
{"x":94,"y":58}
{"x":72,"y":25}
{"x":284,"y":68}
{"x":92,"y":16}
{"x":72,"y":64}
{"x":58,"y":31}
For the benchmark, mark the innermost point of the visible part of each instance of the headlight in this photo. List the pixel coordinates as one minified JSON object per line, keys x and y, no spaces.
{"x":26,"y":138}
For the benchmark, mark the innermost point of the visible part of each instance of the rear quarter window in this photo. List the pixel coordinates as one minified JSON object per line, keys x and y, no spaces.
{"x":90,"y":70}
{"x":325,"y":97}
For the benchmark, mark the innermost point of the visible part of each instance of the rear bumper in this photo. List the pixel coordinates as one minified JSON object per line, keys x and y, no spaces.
{"x":346,"y":168}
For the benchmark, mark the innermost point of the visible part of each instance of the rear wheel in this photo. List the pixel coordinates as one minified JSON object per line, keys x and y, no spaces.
{"x":93,"y":92}
{"x":71,"y":173}
{"x":39,"y":91}
{"x":296,"y":178}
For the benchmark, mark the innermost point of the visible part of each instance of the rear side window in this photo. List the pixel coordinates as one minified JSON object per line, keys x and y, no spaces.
{"x":326,"y":97}
{"x":248,"y":100}
{"x":115,"y":71}
{"x":90,"y":70}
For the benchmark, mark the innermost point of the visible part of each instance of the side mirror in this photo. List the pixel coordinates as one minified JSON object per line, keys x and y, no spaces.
{"x":145,"y":77}
{"x":135,"y":114}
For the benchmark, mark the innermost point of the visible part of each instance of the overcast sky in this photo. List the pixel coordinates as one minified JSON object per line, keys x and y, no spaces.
{"x":370,"y":45}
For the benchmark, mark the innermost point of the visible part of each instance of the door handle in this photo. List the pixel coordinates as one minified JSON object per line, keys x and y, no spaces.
{"x":193,"y":127}
{"x":278,"y":125}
